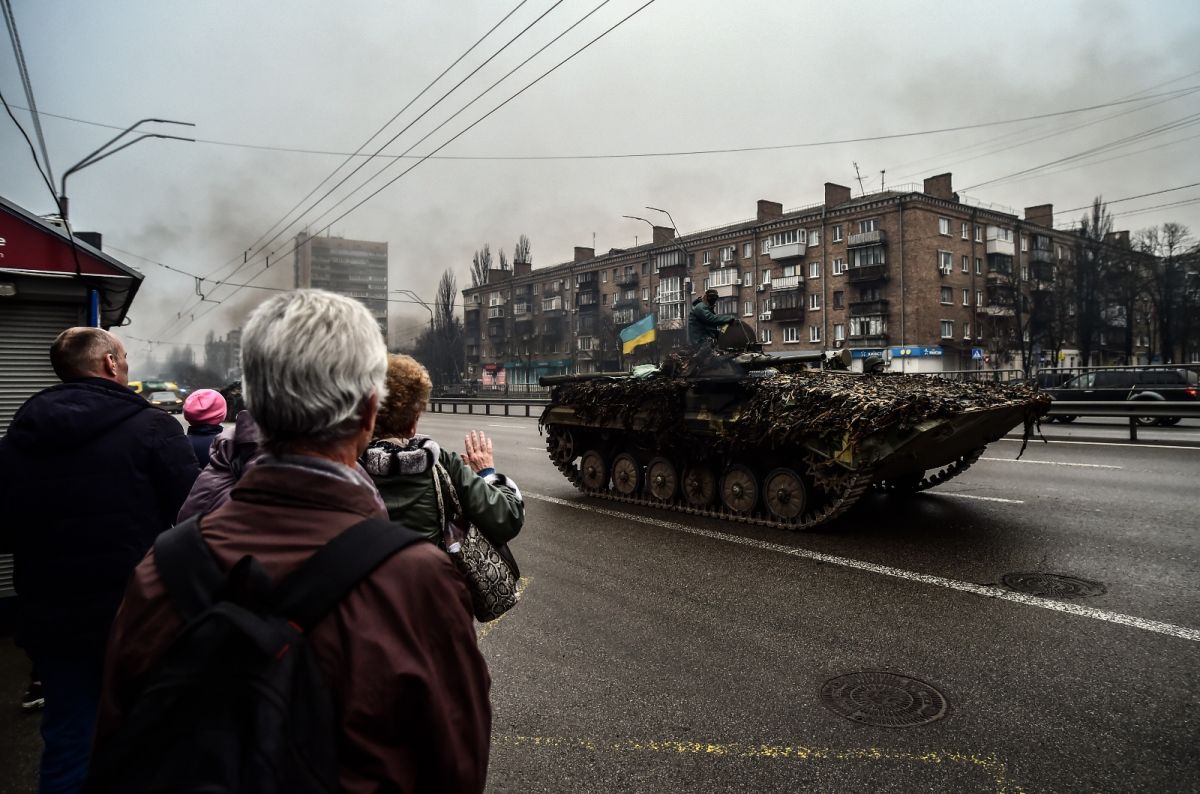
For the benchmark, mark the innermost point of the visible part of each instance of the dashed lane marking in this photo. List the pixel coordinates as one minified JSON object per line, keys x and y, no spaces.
{"x":779,"y":753}
{"x":1099,"y":443}
{"x":1054,"y":463}
{"x":536,"y":449}
{"x":986,"y":591}
{"x":978,"y":498}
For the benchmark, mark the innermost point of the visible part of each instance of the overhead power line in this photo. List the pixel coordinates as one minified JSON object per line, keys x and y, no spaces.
{"x":19,"y":52}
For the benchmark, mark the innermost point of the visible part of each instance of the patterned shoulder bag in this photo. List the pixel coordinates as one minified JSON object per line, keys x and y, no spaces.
{"x":491,"y":573}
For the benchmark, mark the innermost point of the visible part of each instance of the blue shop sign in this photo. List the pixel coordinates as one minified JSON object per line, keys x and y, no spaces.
{"x":866,"y":353}
{"x":916,"y":352}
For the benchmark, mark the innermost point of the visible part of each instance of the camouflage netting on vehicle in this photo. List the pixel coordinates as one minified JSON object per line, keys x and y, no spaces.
{"x":783,"y":409}
{"x":837,"y":407}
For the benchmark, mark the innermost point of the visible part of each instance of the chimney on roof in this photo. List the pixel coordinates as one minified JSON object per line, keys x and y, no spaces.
{"x":769,"y":209}
{"x":836,"y":194}
{"x":1042,"y":215}
{"x":584,"y":254}
{"x":91,"y":238}
{"x":663,"y":234}
{"x":521,"y":268}
{"x":939,"y":187}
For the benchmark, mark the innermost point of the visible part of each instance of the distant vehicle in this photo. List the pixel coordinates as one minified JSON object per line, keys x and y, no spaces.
{"x":169,"y":401}
{"x":146,"y":386}
{"x":1051,"y":379}
{"x":234,"y":402}
{"x":1172,"y":384}
{"x":457,"y":390}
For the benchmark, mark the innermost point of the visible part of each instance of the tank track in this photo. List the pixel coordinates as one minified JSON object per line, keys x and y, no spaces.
{"x":938,"y":477}
{"x":857,"y":484}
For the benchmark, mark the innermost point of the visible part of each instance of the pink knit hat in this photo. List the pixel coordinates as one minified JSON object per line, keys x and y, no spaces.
{"x":204,"y":407}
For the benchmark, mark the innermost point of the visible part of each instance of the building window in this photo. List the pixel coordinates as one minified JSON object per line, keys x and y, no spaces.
{"x":945,"y":262}
{"x":604,"y":298}
{"x":787,"y":238}
{"x":764,"y":336}
{"x":814,"y":301}
{"x":947,"y":329}
{"x":966,"y":230}
{"x":966,"y":264}
{"x":747,"y":250}
{"x":838,"y":298}
{"x":837,"y":233}
{"x":814,"y":333}
{"x":814,"y":269}
{"x":978,"y":297}
{"x":864,"y":257}
{"x":966,"y":297}
{"x":747,"y":278}
{"x":645,"y":294}
{"x":791,"y":333}
{"x":814,"y":238}
{"x":748,"y":309}
{"x":947,"y":295}
{"x":839,"y":332}
{"x":944,"y":226}
{"x":764,"y":246}
{"x":871,"y":225}
{"x":978,"y":266}
{"x":979,"y":234}
{"x":708,"y":257}
{"x":839,"y":266}
{"x":1024,"y":242}
{"x":728,"y":253}
{"x":966,"y":330}
{"x":766,"y":277}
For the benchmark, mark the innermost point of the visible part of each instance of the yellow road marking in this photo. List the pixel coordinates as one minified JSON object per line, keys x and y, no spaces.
{"x":989,"y":764}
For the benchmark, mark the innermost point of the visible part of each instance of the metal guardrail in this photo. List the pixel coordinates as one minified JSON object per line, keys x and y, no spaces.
{"x":443,"y":405}
{"x":1126,"y":408}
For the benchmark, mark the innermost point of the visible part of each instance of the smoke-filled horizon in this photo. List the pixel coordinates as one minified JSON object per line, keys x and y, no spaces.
{"x":675,"y":79}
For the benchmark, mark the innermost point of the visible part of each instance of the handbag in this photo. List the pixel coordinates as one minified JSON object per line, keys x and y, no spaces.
{"x":491,"y":572}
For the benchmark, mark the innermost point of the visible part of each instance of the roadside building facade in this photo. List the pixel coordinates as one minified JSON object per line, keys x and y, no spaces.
{"x":914,"y":274}
{"x":354,"y":268}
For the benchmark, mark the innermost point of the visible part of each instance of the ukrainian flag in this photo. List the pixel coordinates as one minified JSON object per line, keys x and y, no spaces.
{"x":640,"y":333}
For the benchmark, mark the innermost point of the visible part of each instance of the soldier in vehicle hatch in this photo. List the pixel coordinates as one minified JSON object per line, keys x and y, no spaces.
{"x":704,"y":325}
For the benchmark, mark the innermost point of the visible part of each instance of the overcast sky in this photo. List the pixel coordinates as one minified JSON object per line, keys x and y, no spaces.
{"x":679,"y":76}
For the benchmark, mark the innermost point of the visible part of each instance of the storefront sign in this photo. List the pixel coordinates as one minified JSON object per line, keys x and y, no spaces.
{"x":916,"y":352}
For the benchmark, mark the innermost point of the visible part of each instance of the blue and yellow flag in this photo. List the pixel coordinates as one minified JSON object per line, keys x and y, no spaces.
{"x":640,"y":333}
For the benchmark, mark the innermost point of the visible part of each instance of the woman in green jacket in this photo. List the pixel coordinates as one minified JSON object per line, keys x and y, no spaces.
{"x":403,"y":464}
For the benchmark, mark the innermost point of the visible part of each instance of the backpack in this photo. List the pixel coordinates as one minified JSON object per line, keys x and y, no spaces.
{"x":238,"y":701}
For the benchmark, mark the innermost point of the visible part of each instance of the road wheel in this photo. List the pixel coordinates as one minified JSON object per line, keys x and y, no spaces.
{"x":785,"y":494}
{"x":593,"y":471}
{"x":561,"y":446}
{"x":661,"y":479}
{"x":699,"y":485}
{"x":739,"y":489}
{"x":1146,"y":421}
{"x":1066,"y":420}
{"x":626,"y":475}
{"x":1169,"y":421}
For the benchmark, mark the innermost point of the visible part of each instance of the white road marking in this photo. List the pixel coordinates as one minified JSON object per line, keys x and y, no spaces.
{"x":980,"y":498}
{"x":1033,"y":441}
{"x":1054,"y":463}
{"x":536,"y":449}
{"x":507,"y":424}
{"x":986,"y":591}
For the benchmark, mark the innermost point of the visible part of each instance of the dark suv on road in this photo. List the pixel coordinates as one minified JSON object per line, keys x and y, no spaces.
{"x":1159,"y":383}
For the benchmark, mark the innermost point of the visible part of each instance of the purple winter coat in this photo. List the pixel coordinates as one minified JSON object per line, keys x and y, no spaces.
{"x":231,"y":452}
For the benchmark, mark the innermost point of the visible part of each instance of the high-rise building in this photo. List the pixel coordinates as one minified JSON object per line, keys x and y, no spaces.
{"x":354,"y":268}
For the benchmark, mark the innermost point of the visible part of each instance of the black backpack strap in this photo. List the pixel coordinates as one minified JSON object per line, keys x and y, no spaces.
{"x":188,"y":569}
{"x":322,"y":580}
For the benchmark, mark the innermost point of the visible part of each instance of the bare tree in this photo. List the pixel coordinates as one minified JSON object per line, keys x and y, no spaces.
{"x":1091,"y":268}
{"x":481,"y":263}
{"x":521,"y":253}
{"x":503,"y":260}
{"x":1168,"y":286}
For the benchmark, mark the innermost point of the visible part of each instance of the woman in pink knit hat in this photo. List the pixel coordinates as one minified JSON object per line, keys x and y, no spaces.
{"x":204,"y":409}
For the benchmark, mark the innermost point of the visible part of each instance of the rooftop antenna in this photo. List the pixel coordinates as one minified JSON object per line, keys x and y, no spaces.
{"x":858,"y":176}
{"x":882,"y":171}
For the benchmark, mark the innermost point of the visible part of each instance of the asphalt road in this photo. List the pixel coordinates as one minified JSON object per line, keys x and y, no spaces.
{"x":661,"y":652}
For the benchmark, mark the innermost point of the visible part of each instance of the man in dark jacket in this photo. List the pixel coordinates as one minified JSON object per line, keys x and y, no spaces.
{"x":92,"y":473}
{"x":704,"y":325}
{"x":399,"y":652}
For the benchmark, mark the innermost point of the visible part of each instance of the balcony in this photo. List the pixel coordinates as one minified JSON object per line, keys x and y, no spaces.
{"x":627,"y":280}
{"x":861,"y":239}
{"x":787,"y":282}
{"x":522,"y":311}
{"x":592,"y":285}
{"x":867,"y":273}
{"x":869,"y":340}
{"x":997,"y":310}
{"x":670,"y":271}
{"x":998,"y":246}
{"x":788,"y":313}
{"x":787,"y":251}
{"x":863,"y":308}
{"x":495,"y":313}
{"x":728,"y":290}
{"x":1041,"y":255}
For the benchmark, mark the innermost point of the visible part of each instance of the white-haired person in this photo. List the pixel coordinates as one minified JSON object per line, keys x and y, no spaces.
{"x":402,"y":463}
{"x":398,"y":652}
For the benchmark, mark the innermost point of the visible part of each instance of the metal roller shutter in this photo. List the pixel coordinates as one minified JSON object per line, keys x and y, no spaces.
{"x":26,"y":332}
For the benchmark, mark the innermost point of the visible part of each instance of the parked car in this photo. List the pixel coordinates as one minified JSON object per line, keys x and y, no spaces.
{"x":1051,"y":379}
{"x":169,"y":401}
{"x":1158,"y":383}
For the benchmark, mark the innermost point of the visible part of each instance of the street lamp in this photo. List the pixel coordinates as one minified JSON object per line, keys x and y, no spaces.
{"x":101,"y":154}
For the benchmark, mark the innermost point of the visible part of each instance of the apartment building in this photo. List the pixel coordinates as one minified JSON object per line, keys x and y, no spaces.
{"x":915,"y":274}
{"x":354,"y":268}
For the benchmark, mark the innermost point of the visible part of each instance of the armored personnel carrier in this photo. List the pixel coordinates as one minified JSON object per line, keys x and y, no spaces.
{"x":768,"y":439}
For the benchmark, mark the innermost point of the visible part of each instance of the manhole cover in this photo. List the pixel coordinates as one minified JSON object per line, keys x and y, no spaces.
{"x":1052,"y":585}
{"x":883,"y":699}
